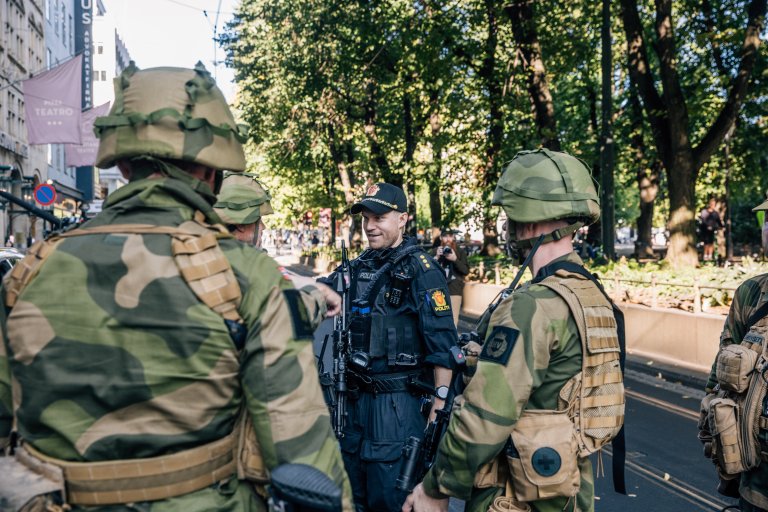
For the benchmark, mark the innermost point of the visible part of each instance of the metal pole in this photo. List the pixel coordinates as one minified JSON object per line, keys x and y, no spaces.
{"x":31,"y":208}
{"x":606,"y":138}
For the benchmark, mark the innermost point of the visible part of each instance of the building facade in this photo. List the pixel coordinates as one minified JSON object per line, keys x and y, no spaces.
{"x":22,"y":53}
{"x":110,"y":58}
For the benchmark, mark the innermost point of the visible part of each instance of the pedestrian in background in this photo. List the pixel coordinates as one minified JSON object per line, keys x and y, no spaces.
{"x":710,"y":223}
{"x":186,"y":372}
{"x":453,"y":260}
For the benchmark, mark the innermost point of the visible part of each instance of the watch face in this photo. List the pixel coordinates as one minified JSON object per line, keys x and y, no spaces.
{"x":442,"y":392}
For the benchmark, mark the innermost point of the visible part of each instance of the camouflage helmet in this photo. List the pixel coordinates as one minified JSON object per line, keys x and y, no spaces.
{"x":544,"y":185}
{"x":170,"y":113}
{"x":242,"y":200}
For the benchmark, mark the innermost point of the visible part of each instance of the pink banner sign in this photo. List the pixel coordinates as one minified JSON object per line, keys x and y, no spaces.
{"x":52,"y":104}
{"x":85,"y":153}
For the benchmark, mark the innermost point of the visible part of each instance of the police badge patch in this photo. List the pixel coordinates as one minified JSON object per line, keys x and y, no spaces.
{"x":438,"y":301}
{"x":498,"y":347}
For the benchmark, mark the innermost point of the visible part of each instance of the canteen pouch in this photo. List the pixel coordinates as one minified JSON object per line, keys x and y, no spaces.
{"x":735,"y":364}
{"x":542,"y":456}
{"x":726,"y":439}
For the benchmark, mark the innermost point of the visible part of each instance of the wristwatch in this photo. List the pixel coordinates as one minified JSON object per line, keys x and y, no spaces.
{"x":441,"y":392}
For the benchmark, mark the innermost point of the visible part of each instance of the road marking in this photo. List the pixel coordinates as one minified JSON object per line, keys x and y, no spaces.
{"x":662,"y":404}
{"x":689,"y":493}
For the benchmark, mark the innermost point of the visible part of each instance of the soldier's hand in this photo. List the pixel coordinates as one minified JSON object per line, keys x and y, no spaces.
{"x":418,"y":501}
{"x":332,"y":300}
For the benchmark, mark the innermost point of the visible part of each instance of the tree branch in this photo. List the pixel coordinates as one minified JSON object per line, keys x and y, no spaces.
{"x":727,"y":117}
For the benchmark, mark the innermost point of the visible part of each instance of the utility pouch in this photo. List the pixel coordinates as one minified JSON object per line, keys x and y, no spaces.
{"x":705,"y":436}
{"x":250,"y":462}
{"x":28,"y":485}
{"x":727,"y":446}
{"x":543,"y":456}
{"x":735,"y":364}
{"x":492,"y":474}
{"x":360,"y":325}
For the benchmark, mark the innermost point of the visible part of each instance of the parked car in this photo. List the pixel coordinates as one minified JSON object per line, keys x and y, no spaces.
{"x":8,"y":258}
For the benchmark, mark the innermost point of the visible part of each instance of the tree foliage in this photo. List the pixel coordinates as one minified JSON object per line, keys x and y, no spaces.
{"x":437,"y":95}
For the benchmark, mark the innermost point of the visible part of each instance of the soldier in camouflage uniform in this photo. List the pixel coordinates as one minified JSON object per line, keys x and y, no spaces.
{"x":531,"y":353}
{"x":148,"y":357}
{"x":748,"y":318}
{"x":241,"y":205}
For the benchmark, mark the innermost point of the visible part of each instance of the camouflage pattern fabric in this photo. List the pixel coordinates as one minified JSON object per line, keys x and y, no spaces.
{"x":109,"y":355}
{"x":749,"y":296}
{"x":541,"y":359}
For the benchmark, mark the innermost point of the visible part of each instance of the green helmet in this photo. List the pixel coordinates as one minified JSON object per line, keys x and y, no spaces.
{"x":170,"y":113}
{"x":242,"y":200}
{"x":544,"y":185}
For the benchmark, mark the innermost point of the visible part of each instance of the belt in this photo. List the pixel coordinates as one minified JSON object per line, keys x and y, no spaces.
{"x":386,"y":383}
{"x":149,"y":479}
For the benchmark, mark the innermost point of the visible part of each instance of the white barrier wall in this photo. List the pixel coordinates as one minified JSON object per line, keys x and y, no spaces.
{"x":668,"y":336}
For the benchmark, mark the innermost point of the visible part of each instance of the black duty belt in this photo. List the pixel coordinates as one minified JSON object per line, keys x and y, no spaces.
{"x":385,"y":383}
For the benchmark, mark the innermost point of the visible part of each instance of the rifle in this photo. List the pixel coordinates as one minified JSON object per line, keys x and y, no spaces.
{"x":335,"y":383}
{"x":302,"y":488}
{"x":419,"y":455}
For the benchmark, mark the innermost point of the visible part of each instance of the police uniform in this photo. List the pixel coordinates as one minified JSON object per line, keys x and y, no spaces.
{"x":548,"y":388}
{"x":408,"y":337}
{"x":148,"y":357}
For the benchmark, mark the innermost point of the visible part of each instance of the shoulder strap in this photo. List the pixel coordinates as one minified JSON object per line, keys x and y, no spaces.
{"x":619,"y":443}
{"x":757,"y":315}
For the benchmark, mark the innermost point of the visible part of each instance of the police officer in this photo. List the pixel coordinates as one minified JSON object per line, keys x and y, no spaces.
{"x":407,"y":335}
{"x":241,"y":205}
{"x":746,"y":326}
{"x":541,"y":338}
{"x":148,"y":357}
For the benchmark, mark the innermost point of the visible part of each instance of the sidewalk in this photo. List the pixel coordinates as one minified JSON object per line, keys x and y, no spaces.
{"x":664,"y":372}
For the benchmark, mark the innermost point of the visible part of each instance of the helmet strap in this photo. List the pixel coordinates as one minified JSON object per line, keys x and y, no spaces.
{"x":554,"y":236}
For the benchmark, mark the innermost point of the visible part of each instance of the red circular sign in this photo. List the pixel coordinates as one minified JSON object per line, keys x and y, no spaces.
{"x":45,"y":194}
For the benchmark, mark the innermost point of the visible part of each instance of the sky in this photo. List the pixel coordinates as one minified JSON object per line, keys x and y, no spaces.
{"x":175,"y":33}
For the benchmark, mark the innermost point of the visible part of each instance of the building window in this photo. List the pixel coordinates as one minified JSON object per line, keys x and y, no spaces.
{"x":71,"y":35}
{"x":64,"y":23}
{"x":103,"y":76}
{"x":100,"y":49}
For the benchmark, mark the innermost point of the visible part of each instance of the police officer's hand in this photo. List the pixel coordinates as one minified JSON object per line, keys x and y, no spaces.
{"x":418,"y":501}
{"x":332,"y":300}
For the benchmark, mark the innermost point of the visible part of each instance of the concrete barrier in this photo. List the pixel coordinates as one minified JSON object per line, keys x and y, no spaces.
{"x":669,"y":336}
{"x":689,"y":340}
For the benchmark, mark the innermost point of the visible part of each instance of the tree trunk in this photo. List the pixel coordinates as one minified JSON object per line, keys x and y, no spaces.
{"x":434,"y":178}
{"x":520,"y":12}
{"x":410,"y":150}
{"x":378,"y":156}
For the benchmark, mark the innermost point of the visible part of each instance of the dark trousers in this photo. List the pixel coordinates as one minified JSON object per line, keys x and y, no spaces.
{"x":372,"y":447}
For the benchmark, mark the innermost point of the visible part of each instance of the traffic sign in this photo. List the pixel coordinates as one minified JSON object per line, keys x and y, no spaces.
{"x":45,"y":194}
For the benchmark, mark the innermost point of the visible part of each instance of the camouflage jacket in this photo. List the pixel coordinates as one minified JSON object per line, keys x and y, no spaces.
{"x":110,"y":355}
{"x":749,"y":296}
{"x":544,"y":353}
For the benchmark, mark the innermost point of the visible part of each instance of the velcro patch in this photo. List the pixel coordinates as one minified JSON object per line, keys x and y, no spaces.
{"x":753,"y":337}
{"x":438,"y":301}
{"x":302,"y":327}
{"x":498,"y":347}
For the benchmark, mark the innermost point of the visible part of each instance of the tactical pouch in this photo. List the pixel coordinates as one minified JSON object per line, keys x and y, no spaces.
{"x":705,"y":436}
{"x":735,"y":364}
{"x":727,"y":446}
{"x":360,"y":326}
{"x":250,"y":462}
{"x":543,"y":460}
{"x":492,"y":474}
